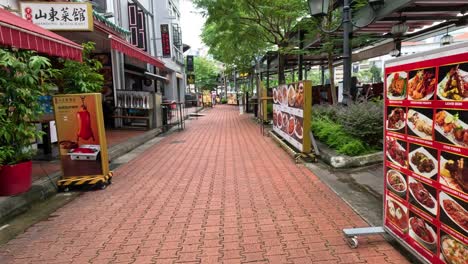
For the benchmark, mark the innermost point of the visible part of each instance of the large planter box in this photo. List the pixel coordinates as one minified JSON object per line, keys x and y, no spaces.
{"x":15,"y":179}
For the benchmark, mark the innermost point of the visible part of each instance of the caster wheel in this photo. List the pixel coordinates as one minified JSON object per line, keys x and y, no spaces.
{"x":353,"y":242}
{"x":66,"y":189}
{"x":102,"y":186}
{"x":109,"y":181}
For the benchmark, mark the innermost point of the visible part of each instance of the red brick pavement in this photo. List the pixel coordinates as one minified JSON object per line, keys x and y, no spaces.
{"x":218,"y":192}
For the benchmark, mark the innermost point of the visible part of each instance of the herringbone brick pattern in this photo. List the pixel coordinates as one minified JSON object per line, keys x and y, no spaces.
{"x":219,"y":192}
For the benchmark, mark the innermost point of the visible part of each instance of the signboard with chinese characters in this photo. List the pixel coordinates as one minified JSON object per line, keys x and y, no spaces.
{"x":190,"y":63}
{"x":190,"y":78}
{"x":426,"y":154}
{"x":292,"y":112}
{"x":165,"y":41}
{"x":65,"y":16}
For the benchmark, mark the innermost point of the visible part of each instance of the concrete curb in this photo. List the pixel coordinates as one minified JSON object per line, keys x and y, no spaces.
{"x":46,"y":187}
{"x":339,"y":161}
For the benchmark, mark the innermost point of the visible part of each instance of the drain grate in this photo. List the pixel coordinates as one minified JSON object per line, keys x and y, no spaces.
{"x":177,"y":142}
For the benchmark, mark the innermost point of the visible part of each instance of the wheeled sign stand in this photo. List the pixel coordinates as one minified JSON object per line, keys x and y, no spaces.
{"x":82,"y":142}
{"x":351,"y":234}
{"x":85,"y":182}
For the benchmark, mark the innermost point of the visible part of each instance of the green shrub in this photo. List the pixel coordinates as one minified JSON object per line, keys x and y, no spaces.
{"x":325,"y":111}
{"x":363,"y":121}
{"x":223,"y":100}
{"x":336,"y":137}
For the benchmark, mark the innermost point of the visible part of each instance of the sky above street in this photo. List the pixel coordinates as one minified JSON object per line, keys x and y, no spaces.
{"x":192,"y":23}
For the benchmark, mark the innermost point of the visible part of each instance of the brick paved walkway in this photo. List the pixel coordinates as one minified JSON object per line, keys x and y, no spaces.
{"x":218,"y":192}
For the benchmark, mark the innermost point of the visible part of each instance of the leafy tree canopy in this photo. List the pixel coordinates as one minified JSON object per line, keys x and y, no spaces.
{"x":238,"y":31}
{"x":206,"y":73}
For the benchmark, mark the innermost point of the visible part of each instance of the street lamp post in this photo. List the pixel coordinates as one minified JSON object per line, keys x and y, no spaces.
{"x":319,"y":9}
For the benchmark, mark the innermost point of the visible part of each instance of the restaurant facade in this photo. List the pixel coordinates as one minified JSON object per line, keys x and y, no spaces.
{"x":126,"y":43}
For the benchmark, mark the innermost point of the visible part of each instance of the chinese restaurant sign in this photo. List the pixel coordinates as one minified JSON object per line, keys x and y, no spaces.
{"x":81,"y":135}
{"x":67,"y":16}
{"x":426,"y":154}
{"x":165,"y":40}
{"x":292,"y":112}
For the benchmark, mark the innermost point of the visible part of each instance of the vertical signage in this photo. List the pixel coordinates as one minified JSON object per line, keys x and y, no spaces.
{"x":81,"y":135}
{"x":426,"y":154}
{"x":292,"y":112}
{"x":165,"y":41}
{"x":137,"y":26}
{"x":190,"y":63}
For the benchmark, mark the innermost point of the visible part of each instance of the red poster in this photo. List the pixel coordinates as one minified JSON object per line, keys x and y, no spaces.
{"x":426,"y":153}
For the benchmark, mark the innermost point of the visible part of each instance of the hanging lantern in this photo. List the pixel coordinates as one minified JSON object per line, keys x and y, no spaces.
{"x":446,"y":39}
{"x":399,"y":29}
{"x":318,"y":8}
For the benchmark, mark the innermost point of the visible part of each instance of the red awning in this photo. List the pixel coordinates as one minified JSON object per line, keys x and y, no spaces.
{"x":134,"y":52}
{"x":19,"y":33}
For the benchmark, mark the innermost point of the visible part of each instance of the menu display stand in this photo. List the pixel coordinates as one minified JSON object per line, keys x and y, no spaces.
{"x":426,"y":155}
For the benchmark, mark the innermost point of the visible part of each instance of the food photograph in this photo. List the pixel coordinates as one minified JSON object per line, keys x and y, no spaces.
{"x":396,"y":119}
{"x":453,"y":213}
{"x":422,"y":196}
{"x":452,"y":250}
{"x":422,"y":84}
{"x":453,"y":82}
{"x":423,"y":161}
{"x":420,"y":123}
{"x":396,"y":182}
{"x":396,"y":152}
{"x":423,"y":232}
{"x":451,"y":127}
{"x":453,"y":171}
{"x":397,"y":214}
{"x":396,"y":85}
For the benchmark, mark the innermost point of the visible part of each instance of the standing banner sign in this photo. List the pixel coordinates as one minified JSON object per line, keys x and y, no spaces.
{"x":292,"y":112}
{"x":426,"y":154}
{"x":82,"y":139}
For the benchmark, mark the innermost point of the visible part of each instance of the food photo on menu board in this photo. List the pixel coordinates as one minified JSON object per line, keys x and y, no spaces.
{"x":453,"y":213}
{"x":423,"y":196}
{"x":396,"y":152}
{"x":396,"y":85}
{"x":454,"y":171}
{"x":288,"y":123}
{"x":288,"y":113}
{"x":397,"y":214}
{"x":423,"y":232}
{"x":396,"y":182}
{"x":289,"y":96}
{"x":423,"y":161}
{"x":453,"y":82}
{"x":396,"y":119}
{"x":452,"y":250}
{"x":422,"y":84}
{"x":420,"y":123}
{"x":451,"y":127}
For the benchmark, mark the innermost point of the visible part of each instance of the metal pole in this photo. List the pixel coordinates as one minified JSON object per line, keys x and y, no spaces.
{"x":347,"y":61}
{"x":301,"y":56}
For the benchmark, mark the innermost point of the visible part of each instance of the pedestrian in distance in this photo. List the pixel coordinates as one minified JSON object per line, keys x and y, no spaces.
{"x":213,"y":99}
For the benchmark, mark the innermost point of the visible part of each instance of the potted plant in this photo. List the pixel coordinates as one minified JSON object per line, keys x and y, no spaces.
{"x":24,"y":76}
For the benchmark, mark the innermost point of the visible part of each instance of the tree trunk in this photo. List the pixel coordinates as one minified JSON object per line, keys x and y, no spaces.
{"x":331,"y":72}
{"x":281,"y":64}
